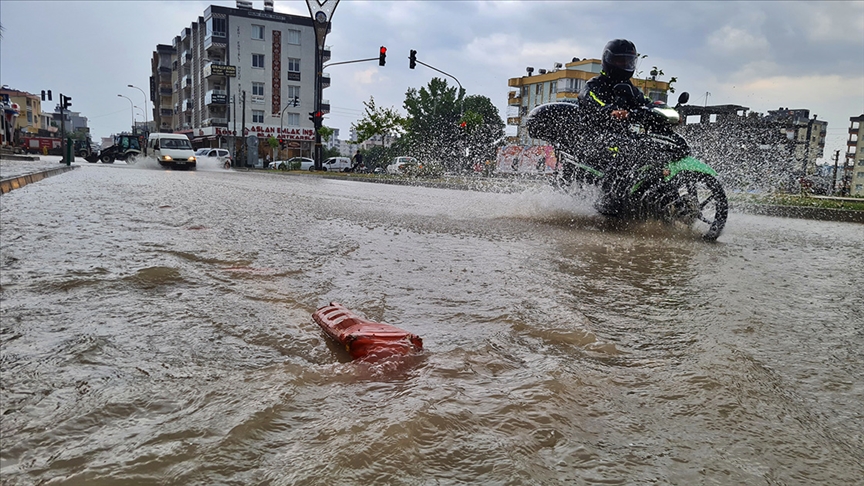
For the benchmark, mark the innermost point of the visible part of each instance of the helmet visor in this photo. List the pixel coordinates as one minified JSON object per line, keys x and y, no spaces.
{"x":627,"y":62}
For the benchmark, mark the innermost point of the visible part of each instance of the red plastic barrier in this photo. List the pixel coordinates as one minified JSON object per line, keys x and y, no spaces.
{"x":365,"y":339}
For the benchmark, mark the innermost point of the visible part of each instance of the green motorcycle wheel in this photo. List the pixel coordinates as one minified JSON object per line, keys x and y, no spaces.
{"x":698,"y":201}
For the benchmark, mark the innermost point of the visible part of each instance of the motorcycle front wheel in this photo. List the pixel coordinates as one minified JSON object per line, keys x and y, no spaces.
{"x":698,"y":201}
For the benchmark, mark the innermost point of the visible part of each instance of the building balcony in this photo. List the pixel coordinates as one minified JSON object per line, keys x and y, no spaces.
{"x":852,"y":143}
{"x":165,"y":89}
{"x":166,"y":112}
{"x":216,"y":43}
{"x":216,"y":97}
{"x":325,"y":106}
{"x":514,"y":82}
{"x":215,"y":122}
{"x":514,"y":120}
{"x":325,"y":80}
{"x":326,"y":53}
{"x":185,"y":57}
{"x":187,"y":105}
{"x":186,"y":82}
{"x":257,"y":99}
{"x":513,"y":98}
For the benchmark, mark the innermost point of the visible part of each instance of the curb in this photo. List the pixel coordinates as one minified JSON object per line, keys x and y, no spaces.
{"x":801,"y":212}
{"x":7,"y":185}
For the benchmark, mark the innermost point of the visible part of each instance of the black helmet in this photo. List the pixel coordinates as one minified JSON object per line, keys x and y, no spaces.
{"x":619,"y":59}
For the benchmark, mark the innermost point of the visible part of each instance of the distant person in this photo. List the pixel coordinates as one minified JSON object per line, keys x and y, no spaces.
{"x":358,"y":162}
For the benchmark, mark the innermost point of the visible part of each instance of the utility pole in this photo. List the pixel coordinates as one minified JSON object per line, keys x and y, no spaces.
{"x":834,"y":179}
{"x":243,"y":127}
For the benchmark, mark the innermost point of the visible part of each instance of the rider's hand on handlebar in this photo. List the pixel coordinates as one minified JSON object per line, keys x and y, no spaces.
{"x":619,"y":114}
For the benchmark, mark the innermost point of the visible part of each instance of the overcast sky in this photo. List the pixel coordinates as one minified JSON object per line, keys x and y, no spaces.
{"x":763,"y":55}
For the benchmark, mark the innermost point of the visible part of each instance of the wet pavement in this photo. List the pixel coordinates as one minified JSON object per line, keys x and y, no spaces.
{"x":156,"y":328}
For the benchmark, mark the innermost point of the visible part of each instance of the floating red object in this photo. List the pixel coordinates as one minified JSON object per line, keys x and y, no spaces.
{"x":365,"y":339}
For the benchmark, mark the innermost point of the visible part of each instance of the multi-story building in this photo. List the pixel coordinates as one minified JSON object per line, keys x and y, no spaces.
{"x":237,"y":69}
{"x":806,"y":136}
{"x":562,"y":83}
{"x":29,"y":111}
{"x":854,"y":167}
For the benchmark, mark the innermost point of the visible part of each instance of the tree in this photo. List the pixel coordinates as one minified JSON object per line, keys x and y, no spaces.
{"x":378,"y":121}
{"x":483,"y":128}
{"x":432,"y":130}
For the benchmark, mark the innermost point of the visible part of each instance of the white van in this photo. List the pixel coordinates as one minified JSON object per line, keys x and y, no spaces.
{"x":172,"y":150}
{"x":336,"y":164}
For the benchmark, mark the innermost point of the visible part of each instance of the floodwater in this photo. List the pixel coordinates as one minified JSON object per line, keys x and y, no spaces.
{"x":156,"y":329}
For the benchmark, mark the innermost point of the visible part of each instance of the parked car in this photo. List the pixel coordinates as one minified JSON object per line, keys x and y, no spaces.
{"x":402,"y":165}
{"x":294,"y":163}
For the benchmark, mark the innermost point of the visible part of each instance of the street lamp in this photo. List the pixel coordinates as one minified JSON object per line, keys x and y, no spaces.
{"x":131,"y":109}
{"x":146,"y":121}
{"x":321,"y":12}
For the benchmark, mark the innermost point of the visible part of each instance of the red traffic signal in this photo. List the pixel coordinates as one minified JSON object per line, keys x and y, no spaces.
{"x":382,"y":56}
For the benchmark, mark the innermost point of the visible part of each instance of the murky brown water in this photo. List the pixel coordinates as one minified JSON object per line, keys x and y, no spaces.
{"x":156,"y":329}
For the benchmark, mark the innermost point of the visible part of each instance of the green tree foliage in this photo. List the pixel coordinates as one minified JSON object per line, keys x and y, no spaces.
{"x":446,"y":127}
{"x":378,"y":121}
{"x":482,"y":129}
{"x":432,"y":128}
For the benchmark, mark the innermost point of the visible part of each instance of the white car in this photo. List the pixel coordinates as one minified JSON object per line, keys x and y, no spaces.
{"x":305,"y":163}
{"x":400,"y":165}
{"x":220,"y":154}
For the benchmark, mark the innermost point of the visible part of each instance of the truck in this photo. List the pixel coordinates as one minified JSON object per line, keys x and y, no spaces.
{"x":42,"y":145}
{"x":125,"y":147}
{"x":54,"y":146}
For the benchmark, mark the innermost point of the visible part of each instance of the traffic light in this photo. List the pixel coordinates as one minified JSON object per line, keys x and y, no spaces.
{"x":413,"y":59}
{"x":65,"y":101}
{"x":296,"y":100}
{"x":282,"y":144}
{"x":382,"y":56}
{"x":49,"y":95}
{"x":316,"y":118}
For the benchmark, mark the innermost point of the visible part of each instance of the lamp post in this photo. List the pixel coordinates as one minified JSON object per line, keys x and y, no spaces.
{"x":321,"y":13}
{"x":146,"y":121}
{"x":132,"y":110}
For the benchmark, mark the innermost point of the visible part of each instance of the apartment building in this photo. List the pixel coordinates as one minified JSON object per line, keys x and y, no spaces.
{"x":238,"y":68}
{"x":854,"y":166}
{"x":806,"y":136}
{"x":29,"y":108}
{"x":562,"y":83}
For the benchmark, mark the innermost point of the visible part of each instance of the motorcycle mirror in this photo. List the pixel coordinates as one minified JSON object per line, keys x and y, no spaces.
{"x":683,"y":98}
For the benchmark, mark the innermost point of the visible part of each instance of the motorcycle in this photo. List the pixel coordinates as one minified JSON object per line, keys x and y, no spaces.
{"x":665,"y":183}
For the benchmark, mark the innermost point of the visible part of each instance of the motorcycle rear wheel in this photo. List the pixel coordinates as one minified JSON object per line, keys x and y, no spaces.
{"x":698,"y":201}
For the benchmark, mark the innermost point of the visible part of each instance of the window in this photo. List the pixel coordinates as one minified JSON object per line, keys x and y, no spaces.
{"x":257,"y":92}
{"x":258,"y":61}
{"x":257,"y":116}
{"x":257,"y":32}
{"x":217,"y":27}
{"x":293,"y":91}
{"x":293,"y":65}
{"x":292,"y":119}
{"x":294,"y":37}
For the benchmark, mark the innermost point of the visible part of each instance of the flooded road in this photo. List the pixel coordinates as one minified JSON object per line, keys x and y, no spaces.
{"x":156,"y":329}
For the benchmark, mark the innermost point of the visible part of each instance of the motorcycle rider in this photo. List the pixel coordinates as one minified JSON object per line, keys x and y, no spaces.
{"x":606,"y":109}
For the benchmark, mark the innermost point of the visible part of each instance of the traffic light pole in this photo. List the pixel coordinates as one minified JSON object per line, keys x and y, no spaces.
{"x":319,"y":68}
{"x":321,"y":12}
